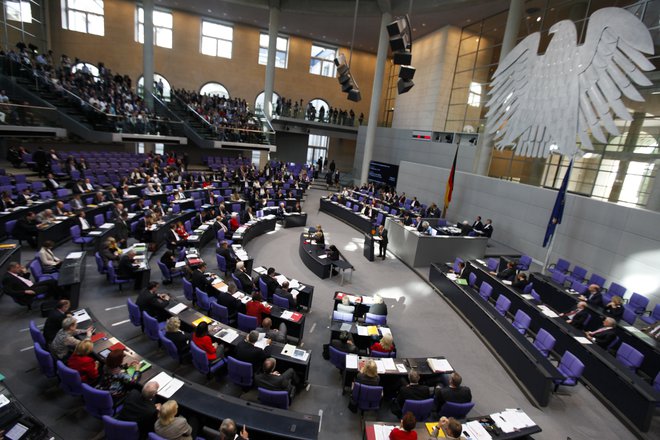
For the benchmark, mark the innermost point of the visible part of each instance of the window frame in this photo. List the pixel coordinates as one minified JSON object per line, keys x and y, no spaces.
{"x":277,"y":51}
{"x":323,"y":60}
{"x":214,"y":82}
{"x":66,"y":9}
{"x":18,"y":6}
{"x":202,"y":36}
{"x":139,"y":24}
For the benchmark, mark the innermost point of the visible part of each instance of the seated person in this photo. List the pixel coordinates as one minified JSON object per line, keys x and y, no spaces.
{"x":577,"y":316}
{"x":594,"y":296}
{"x":255,"y":307}
{"x":168,"y":259}
{"x":170,"y":426}
{"x":385,"y":345}
{"x":378,"y":307}
{"x":173,"y":238}
{"x":204,"y":342}
{"x":448,"y":428}
{"x":16,"y":283}
{"x":224,"y":251}
{"x":461,"y":270}
{"x":65,"y":341}
{"x":244,"y":278}
{"x":412,"y":391}
{"x":333,"y":253}
{"x":110,"y":251}
{"x":246,"y":351}
{"x":454,"y":392}
{"x":285,"y":292}
{"x":228,"y":430}
{"x":406,"y":430}
{"x":278,"y":335}
{"x":319,"y":236}
{"x":27,"y":228}
{"x":345,"y":306}
{"x":153,"y":302}
{"x":180,"y":230}
{"x":344,"y":343}
{"x":82,"y":361}
{"x":54,"y":320}
{"x":507,"y":274}
{"x":271,"y":379}
{"x":614,"y":308}
{"x":605,"y":335}
{"x":49,"y":262}
{"x":116,"y":378}
{"x":139,"y":407}
{"x":127,"y":268}
{"x":82,"y":221}
{"x":226,"y":299}
{"x":426,"y":228}
{"x":174,"y":333}
{"x":368,"y":373}
{"x":271,"y":282}
{"x":520,"y":282}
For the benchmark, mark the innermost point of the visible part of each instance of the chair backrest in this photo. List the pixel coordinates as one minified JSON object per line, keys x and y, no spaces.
{"x":75,"y":231}
{"x":629,"y":314}
{"x":535,"y":296}
{"x":562,"y":265}
{"x":472,"y":279}
{"x":485,"y":290}
{"x":502,"y":304}
{"x":69,"y":379}
{"x":545,"y":342}
{"x":151,"y":328}
{"x":36,"y":269}
{"x":558,"y":277}
{"x":203,"y":300}
{"x":493,"y":264}
{"x":280,"y":301}
{"x":45,"y":360}
{"x":239,"y":372}
{"x":367,"y":396}
{"x":371,"y":318}
{"x":638,"y":303}
{"x":629,"y":356}
{"x":571,"y":367}
{"x":112,"y":276}
{"x":277,"y":399}
{"x":170,"y":347}
{"x":100,"y":267}
{"x":456,"y":410}
{"x":36,"y":334}
{"x":578,"y":273}
{"x":246,"y":323}
{"x":199,"y":359}
{"x":656,"y":382}
{"x":9,"y":227}
{"x":164,"y":270}
{"x":614,"y":343}
{"x":238,"y":283}
{"x":263,"y":288}
{"x":383,"y":354}
{"x":579,"y":287}
{"x":616,"y":289}
{"x":528,"y":288}
{"x":188,"y":290}
{"x":120,"y":430}
{"x":97,"y":402}
{"x":98,"y":220}
{"x":222,"y":263}
{"x":596,"y":279}
{"x":337,"y":358}
{"x":456,"y":266}
{"x":420,"y":408}
{"x":521,"y":321}
{"x":219,"y":313}
{"x":524,"y":262}
{"x":342,"y":316}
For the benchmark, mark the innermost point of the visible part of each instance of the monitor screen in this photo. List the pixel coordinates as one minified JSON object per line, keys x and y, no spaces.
{"x":383,"y":173}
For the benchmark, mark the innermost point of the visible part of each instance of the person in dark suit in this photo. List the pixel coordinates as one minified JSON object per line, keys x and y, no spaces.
{"x":6,"y":202}
{"x":271,"y":282}
{"x":487,"y":231}
{"x":344,"y":343}
{"x":477,"y":225}
{"x":577,"y":316}
{"x":594,"y":297}
{"x":199,"y":280}
{"x":152,"y":302}
{"x":614,"y":308}
{"x":378,"y":307}
{"x":79,"y":187}
{"x":224,"y":251}
{"x":520,"y":281}
{"x":605,"y":335}
{"x":278,"y":334}
{"x":246,"y":351}
{"x":122,"y":229}
{"x":54,"y":320}
{"x":172,"y":238}
{"x":51,"y":183}
{"x":382,"y":233}
{"x":509,"y":273}
{"x":285,"y":292}
{"x":412,"y":391}
{"x":26,"y":228}
{"x":40,"y":158}
{"x":82,"y":221}
{"x":333,"y":253}
{"x":180,"y":339}
{"x":273,"y":380}
{"x":126,"y":268}
{"x":454,"y":392}
{"x":407,"y":221}
{"x":168,"y":259}
{"x":16,"y":283}
{"x":139,"y":407}
{"x":198,"y":220}
{"x":226,"y":299}
{"x":244,"y":278}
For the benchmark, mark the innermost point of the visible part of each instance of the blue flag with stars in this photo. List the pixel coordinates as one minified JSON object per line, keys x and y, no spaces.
{"x":558,"y":210}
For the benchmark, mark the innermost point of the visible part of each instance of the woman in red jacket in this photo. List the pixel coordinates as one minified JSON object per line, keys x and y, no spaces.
{"x":203,"y":341}
{"x":233,"y":222}
{"x":83,"y":363}
{"x":407,"y":429}
{"x":256,"y":308}
{"x":386,"y":345}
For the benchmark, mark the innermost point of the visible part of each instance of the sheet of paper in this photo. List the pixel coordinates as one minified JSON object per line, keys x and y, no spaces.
{"x":382,"y":432}
{"x":107,"y":225}
{"x":178,"y":308}
{"x":507,"y":282}
{"x":380,"y":365}
{"x":193,"y":237}
{"x":351,"y":361}
{"x":582,"y":340}
{"x":179,"y":264}
{"x":227,"y":335}
{"x":301,"y":354}
{"x":288,"y":349}
{"x":482,"y":262}
{"x":3,"y":400}
{"x":547,"y":312}
{"x":322,"y":257}
{"x":512,"y":420}
{"x":74,"y":255}
{"x":162,"y":379}
{"x":287,"y":314}
{"x":527,"y":296}
{"x":172,"y":387}
{"x":362,"y":330}
{"x":81,"y":316}
{"x":452,"y":276}
{"x":281,"y":279}
{"x":260,"y":270}
{"x":388,"y":363}
{"x":401,"y":368}
{"x":262,"y":343}
{"x":294,"y":293}
{"x":366,"y":300}
{"x":475,"y":431}
{"x":385,"y":331}
{"x":294,"y":284}
{"x":345,"y":327}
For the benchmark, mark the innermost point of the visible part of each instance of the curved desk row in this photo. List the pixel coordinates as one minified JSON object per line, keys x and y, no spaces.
{"x":212,"y":407}
{"x":358,"y":221}
{"x":526,"y":364}
{"x":314,"y":257}
{"x":252,"y":229}
{"x":622,"y":391}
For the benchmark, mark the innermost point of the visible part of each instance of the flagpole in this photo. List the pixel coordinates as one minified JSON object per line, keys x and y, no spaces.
{"x":549,"y":251}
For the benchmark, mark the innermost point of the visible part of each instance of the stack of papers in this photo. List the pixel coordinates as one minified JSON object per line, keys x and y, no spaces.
{"x":262,"y":342}
{"x":582,"y":340}
{"x":193,"y":237}
{"x":177,"y":308}
{"x":511,"y":420}
{"x":260,"y":270}
{"x":74,"y":255}
{"x":439,"y":365}
{"x":107,"y":225}
{"x":167,"y":385}
{"x":179,"y":264}
{"x":286,"y":314}
{"x":382,"y":432}
{"x":476,"y":431}
{"x":388,"y":363}
{"x":362,"y":330}
{"x":352,"y":361}
{"x":81,"y":316}
{"x":380,"y":366}
{"x":547,"y":312}
{"x":227,"y":335}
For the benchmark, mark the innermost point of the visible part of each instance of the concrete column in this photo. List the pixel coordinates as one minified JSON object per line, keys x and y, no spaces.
{"x":632,"y":136}
{"x":381,"y":58}
{"x":485,"y":143}
{"x":148,"y":53}
{"x":273,"y":25}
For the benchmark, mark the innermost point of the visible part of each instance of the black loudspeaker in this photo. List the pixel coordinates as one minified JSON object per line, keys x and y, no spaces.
{"x":398,"y":43}
{"x":354,"y":95}
{"x":402,"y":58}
{"x":404,"y":86}
{"x":396,"y":28}
{"x":348,"y":84}
{"x":407,"y":73}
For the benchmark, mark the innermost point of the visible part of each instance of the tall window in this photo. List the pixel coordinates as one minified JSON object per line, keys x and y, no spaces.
{"x":91,"y":68}
{"x":161,"y":87}
{"x":474,"y":96}
{"x":322,"y":61}
{"x":162,"y":28}
{"x":18,"y":11}
{"x":281,"y":53}
{"x":259,"y":102}
{"x":319,"y":104}
{"x":214,"y":89}
{"x":83,"y":16}
{"x":317,"y":147}
{"x":216,"y":39}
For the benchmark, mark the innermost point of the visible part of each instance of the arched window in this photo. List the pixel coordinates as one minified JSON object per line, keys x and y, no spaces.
{"x":319,"y":104}
{"x":259,"y":102}
{"x":214,"y":89}
{"x":91,"y":67}
{"x":158,"y":78}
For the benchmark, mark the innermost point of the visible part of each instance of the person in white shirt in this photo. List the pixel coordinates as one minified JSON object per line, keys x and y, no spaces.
{"x":82,"y":221}
{"x":88,"y":185}
{"x":49,"y":262}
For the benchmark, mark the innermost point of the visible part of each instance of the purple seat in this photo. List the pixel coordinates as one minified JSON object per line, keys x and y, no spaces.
{"x":246,"y":323}
{"x":629,"y":356}
{"x":545,"y":342}
{"x":367,"y":396}
{"x":219,"y":313}
{"x":98,"y":220}
{"x":9,"y":228}
{"x":69,"y":380}
{"x":493,"y":264}
{"x":577,"y":274}
{"x":236,"y":207}
{"x":134,"y":314}
{"x":571,"y":367}
{"x":239,"y":372}
{"x":638,"y":303}
{"x":100,"y":267}
{"x":98,"y":402}
{"x":502,"y":304}
{"x":629,"y":314}
{"x":596,"y":279}
{"x":373,"y":319}
{"x":472,"y":279}
{"x":521,"y":321}
{"x":170,"y":347}
{"x":524,"y":262}
{"x":38,"y":273}
{"x":45,"y":360}
{"x":280,"y":301}
{"x":528,"y":288}
{"x":36,"y":335}
{"x":77,"y":238}
{"x":188,"y":290}
{"x":579,"y":287}
{"x":342,"y":316}
{"x":561,"y":266}
{"x":203,"y":300}
{"x":616,"y":290}
{"x":168,"y":275}
{"x":201,"y":361}
{"x":222,"y":263}
{"x":112,"y":276}
{"x":485,"y":290}
{"x":652,"y":316}
{"x":456,"y":266}
{"x":456,"y":410}
{"x":151,"y":326}
{"x":276,"y":399}
{"x":238,"y":283}
{"x":382,"y":354}
{"x":558,"y":277}
{"x":337,"y":358}
{"x":420,"y":408}
{"x":263,"y":288}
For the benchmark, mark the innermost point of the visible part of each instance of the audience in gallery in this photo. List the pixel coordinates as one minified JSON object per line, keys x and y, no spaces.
{"x":284,"y":107}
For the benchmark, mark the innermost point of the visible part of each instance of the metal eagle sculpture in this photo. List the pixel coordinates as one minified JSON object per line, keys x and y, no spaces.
{"x":539,"y":101}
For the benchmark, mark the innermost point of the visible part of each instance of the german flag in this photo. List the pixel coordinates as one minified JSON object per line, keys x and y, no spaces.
{"x":450,"y":184}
